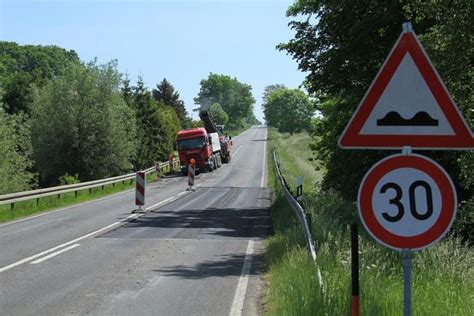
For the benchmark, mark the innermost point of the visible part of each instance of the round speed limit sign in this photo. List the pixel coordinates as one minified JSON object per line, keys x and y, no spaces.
{"x":407,"y":202}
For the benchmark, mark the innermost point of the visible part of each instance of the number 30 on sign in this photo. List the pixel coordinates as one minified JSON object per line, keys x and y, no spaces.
{"x":407,"y":202}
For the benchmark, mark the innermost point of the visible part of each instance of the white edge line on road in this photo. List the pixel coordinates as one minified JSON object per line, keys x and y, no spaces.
{"x":133,"y":216}
{"x":60,"y":246}
{"x":262,"y":182}
{"x":54,"y":254}
{"x":241,"y":145}
{"x":162,"y":202}
{"x":238,"y":303}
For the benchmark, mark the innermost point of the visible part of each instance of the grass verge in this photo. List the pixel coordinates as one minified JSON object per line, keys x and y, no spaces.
{"x":442,"y":277}
{"x":35,"y":206}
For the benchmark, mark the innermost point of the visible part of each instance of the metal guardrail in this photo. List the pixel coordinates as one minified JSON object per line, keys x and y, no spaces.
{"x":40,"y":193}
{"x":300,"y":213}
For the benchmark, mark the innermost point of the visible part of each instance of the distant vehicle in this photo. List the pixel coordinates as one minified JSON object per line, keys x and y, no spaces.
{"x":204,"y":145}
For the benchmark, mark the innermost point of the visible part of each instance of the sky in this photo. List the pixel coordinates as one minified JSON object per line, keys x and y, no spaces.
{"x":182,"y":41}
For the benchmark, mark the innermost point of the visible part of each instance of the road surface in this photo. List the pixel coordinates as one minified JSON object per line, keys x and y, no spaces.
{"x":192,"y":253}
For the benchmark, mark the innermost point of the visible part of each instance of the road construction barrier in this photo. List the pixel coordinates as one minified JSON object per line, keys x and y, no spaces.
{"x":191,"y":174}
{"x":140,"y":189}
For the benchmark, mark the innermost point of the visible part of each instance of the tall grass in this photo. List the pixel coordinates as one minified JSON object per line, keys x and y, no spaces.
{"x":442,"y":277}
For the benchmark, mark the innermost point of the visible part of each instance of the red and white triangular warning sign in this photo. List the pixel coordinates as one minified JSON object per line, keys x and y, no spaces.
{"x":407,"y":105}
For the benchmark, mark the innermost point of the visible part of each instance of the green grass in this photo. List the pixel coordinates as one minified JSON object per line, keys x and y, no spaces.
{"x":442,"y":278}
{"x":34,"y":206}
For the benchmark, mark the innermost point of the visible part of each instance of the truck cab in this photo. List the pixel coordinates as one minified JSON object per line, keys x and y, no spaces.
{"x":204,"y":147}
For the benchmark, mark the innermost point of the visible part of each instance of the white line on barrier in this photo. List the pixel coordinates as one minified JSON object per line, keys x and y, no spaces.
{"x":238,"y":303}
{"x":54,"y":254}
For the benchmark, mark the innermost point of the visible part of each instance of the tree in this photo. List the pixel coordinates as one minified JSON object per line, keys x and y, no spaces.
{"x":81,"y":125}
{"x":290,"y":110}
{"x":23,"y":66}
{"x":166,"y":94}
{"x":341,"y":59}
{"x":234,"y":97}
{"x":157,"y":125}
{"x":218,"y":114}
{"x":270,"y":89}
{"x":15,"y":150}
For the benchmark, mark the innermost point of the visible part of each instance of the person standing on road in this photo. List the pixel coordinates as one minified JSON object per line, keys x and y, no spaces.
{"x":191,"y":174}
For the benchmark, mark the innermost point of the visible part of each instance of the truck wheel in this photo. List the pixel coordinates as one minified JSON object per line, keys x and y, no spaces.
{"x":211,"y":166}
{"x":219,"y":161}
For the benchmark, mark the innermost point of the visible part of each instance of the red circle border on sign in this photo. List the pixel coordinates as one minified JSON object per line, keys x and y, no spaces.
{"x":432,"y":169}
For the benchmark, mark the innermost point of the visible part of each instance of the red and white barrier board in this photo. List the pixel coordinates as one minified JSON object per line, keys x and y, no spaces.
{"x":140,"y":189}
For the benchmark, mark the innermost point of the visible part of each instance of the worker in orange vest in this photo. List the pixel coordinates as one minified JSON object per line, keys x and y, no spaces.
{"x":191,"y":174}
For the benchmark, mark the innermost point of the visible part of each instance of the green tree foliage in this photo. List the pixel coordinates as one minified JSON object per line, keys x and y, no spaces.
{"x":289,"y":110}
{"x":15,"y":153}
{"x":270,"y":89}
{"x":219,"y":116}
{"x":22,"y":66}
{"x":252,"y":120}
{"x":234,"y":97}
{"x":157,"y":125}
{"x":166,"y":94}
{"x":341,"y":58}
{"x":81,"y":125}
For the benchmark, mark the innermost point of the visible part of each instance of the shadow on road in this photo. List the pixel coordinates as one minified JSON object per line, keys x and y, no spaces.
{"x":198,"y":223}
{"x":229,"y":265}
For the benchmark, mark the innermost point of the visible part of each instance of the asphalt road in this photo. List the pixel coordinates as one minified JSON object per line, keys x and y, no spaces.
{"x":192,"y":253}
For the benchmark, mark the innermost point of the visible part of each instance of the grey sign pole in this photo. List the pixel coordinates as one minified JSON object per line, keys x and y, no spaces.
{"x":406,"y":254}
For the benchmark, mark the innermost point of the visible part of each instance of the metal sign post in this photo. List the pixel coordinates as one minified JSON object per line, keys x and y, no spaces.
{"x":406,"y":255}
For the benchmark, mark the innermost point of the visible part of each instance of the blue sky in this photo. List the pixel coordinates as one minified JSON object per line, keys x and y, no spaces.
{"x":181,"y":40}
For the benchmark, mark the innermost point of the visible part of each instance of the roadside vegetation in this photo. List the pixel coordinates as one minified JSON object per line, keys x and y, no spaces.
{"x":443,"y":275}
{"x":340,"y":60}
{"x":60,"y":116}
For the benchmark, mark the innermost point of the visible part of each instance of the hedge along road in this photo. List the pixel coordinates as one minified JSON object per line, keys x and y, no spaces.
{"x":193,"y":253}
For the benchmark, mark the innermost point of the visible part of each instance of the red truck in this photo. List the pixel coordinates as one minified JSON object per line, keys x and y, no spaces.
{"x":204,"y":145}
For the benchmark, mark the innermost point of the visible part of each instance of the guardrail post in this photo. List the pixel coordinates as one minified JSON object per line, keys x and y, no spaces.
{"x":75,"y":194}
{"x":37,"y":201}
{"x":59,"y":196}
{"x":12,"y":206}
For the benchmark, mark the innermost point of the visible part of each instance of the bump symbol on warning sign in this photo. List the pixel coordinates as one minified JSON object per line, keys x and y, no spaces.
{"x":407,"y":105}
